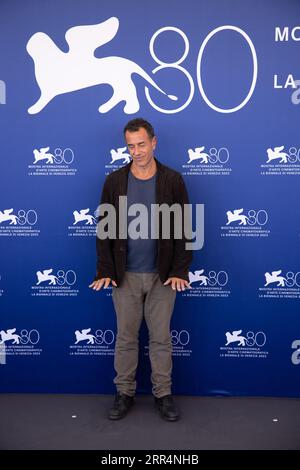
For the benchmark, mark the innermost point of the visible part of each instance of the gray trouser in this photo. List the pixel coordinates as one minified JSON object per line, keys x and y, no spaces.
{"x":143,"y":294}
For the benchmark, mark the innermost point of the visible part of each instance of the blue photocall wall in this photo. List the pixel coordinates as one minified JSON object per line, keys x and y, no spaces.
{"x":219,"y":81}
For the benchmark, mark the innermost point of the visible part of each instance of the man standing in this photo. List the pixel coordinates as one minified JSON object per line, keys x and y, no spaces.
{"x":145,"y":271}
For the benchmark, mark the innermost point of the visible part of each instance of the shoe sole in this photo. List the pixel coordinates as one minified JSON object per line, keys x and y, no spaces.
{"x":115,"y":418}
{"x":169,"y":419}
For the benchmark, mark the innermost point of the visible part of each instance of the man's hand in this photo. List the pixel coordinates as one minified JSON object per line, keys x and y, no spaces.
{"x":177,"y":283}
{"x":103,"y":282}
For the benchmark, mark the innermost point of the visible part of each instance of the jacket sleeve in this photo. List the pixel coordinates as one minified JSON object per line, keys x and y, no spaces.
{"x":104,"y":248}
{"x":182,"y":257}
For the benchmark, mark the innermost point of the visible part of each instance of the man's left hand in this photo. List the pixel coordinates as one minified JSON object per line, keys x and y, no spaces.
{"x":177,"y":283}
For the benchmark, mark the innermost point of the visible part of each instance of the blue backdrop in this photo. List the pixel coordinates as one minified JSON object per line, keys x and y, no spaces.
{"x":233,"y":133}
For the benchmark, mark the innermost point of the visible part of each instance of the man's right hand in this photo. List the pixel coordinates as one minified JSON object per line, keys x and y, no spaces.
{"x":103,"y":282}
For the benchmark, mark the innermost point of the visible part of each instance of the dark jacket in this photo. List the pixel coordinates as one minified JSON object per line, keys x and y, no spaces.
{"x":173,"y":258}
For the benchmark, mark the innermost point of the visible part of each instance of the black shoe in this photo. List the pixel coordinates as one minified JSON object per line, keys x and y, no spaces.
{"x":121,"y":406}
{"x":167,"y":408}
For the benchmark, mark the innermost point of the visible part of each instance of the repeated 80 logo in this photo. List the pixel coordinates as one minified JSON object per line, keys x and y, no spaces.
{"x":181,"y":338}
{"x":64,"y":156}
{"x":29,"y":336}
{"x":255,"y":339}
{"x":176,"y":66}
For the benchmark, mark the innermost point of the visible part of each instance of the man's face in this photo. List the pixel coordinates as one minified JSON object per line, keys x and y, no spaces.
{"x":141,"y":146}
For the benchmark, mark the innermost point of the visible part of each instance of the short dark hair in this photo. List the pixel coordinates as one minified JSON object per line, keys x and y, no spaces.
{"x":135,"y":124}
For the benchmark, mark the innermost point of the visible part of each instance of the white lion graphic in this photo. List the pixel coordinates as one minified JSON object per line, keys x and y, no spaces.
{"x":43,"y":155}
{"x":82,"y":216}
{"x":6,"y":215}
{"x":235,"y":337}
{"x":274,"y":277}
{"x":198,"y":276}
{"x":198,"y":154}
{"x":59,"y":72}
{"x":46,"y":276}
{"x":84,"y":336}
{"x":120,"y":154}
{"x":9,"y":336}
{"x":236,"y":216}
{"x":277,"y":153}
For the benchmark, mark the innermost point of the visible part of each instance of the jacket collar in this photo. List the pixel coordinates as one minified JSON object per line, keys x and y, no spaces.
{"x":160,"y":167}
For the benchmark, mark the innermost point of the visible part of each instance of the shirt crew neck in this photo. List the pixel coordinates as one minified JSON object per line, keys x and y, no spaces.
{"x":142,"y":179}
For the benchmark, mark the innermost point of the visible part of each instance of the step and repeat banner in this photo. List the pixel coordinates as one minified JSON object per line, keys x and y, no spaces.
{"x":220,"y":82}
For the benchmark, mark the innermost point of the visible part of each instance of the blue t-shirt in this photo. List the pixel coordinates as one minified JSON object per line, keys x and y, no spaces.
{"x":141,"y":253}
